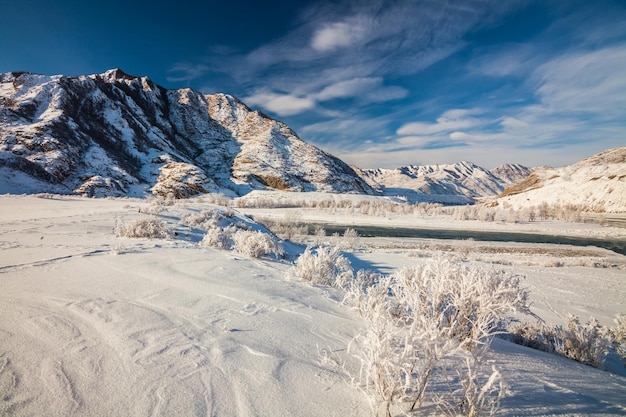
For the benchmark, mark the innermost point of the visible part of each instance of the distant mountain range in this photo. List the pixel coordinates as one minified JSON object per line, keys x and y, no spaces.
{"x":114,"y":134}
{"x":449,"y":183}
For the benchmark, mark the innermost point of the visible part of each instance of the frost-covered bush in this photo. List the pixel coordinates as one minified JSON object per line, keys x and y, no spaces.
{"x":422,"y":316}
{"x":155,"y":206}
{"x":587,"y":343}
{"x":386,"y":362}
{"x":325,"y":266}
{"x":466,"y":303}
{"x":286,"y":229}
{"x":534,"y":335}
{"x":242,"y":240}
{"x":147,"y":227}
{"x":320,"y":236}
{"x":218,"y":237}
{"x":618,"y":334}
{"x":350,"y":239}
{"x":217,"y":198}
{"x":206,"y":219}
{"x":255,"y":244}
{"x":368,"y":294}
{"x":478,"y":393}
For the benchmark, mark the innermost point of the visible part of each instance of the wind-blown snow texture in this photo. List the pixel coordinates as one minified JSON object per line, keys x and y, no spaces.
{"x":95,"y":324}
{"x":116,"y":134}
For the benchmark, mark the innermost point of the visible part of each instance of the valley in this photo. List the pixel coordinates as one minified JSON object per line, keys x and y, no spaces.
{"x":169,"y":252}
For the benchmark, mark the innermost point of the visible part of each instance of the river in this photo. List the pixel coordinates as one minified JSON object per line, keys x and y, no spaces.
{"x":615,"y":245}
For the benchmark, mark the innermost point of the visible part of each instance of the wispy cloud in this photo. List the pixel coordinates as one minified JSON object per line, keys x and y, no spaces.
{"x":348,"y":50}
{"x":449,"y":121}
{"x":337,"y":35}
{"x":368,"y":89}
{"x":281,"y":104}
{"x":186,"y":72}
{"x":509,"y":59}
{"x":574,"y":98}
{"x":586,"y":81}
{"x":358,"y":77}
{"x":343,"y":129}
{"x":361,"y":90}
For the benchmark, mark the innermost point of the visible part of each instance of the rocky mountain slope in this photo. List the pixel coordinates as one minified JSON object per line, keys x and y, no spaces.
{"x":597,"y":184}
{"x":511,"y":173}
{"x":116,"y":134}
{"x":448,"y":183}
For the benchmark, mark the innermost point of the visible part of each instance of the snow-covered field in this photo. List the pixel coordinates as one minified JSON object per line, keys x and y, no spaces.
{"x":92,"y":324}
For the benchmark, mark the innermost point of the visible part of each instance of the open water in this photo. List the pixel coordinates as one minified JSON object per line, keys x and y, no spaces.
{"x":615,"y":245}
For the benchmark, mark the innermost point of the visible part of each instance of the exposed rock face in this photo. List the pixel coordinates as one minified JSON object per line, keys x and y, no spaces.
{"x":511,"y":173}
{"x":117,"y":134}
{"x":181,"y":180}
{"x":271,"y":154}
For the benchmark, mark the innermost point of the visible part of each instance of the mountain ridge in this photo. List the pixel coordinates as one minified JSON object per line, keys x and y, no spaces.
{"x":113,"y":133}
{"x":116,"y":134}
{"x":459,"y":183}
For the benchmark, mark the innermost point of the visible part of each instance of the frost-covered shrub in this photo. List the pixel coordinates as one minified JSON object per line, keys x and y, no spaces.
{"x":366,"y":279}
{"x":350,"y":239}
{"x":386,"y":362}
{"x":467,"y":303}
{"x":242,"y":240}
{"x":255,"y":244}
{"x":320,"y":236}
{"x":218,"y":237}
{"x":423,"y":315}
{"x":147,"y":227}
{"x":156,"y":205}
{"x":206,"y":219}
{"x":618,"y":334}
{"x":325,"y":266}
{"x":217,"y":198}
{"x":479,"y":393}
{"x":368,"y":294}
{"x":534,"y":335}
{"x":286,"y":229}
{"x":586,"y":343}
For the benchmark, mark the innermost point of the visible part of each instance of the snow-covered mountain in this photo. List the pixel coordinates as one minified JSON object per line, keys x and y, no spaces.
{"x":597,"y":183}
{"x":511,"y":173}
{"x":117,"y":134}
{"x":448,"y":183}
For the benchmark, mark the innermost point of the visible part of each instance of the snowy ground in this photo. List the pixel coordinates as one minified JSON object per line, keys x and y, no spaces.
{"x":92,"y":324}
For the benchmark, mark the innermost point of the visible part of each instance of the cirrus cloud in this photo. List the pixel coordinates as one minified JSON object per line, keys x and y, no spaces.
{"x":369,"y":89}
{"x":333,"y":36}
{"x":451,"y":120}
{"x":281,"y":104}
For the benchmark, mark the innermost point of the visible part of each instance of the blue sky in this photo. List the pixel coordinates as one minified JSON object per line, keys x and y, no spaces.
{"x":377,"y":83}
